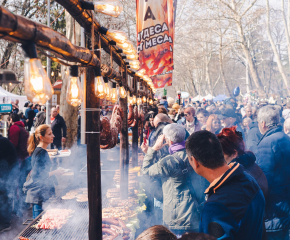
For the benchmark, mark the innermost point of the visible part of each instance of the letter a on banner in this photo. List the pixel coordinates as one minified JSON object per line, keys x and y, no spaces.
{"x":155,"y":29}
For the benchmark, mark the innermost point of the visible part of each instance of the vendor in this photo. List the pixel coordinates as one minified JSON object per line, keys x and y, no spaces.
{"x":39,"y":186}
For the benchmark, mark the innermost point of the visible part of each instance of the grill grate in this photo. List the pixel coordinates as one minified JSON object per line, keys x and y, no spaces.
{"x":76,"y":227}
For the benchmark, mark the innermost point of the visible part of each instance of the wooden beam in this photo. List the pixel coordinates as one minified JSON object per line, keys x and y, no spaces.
{"x":124,"y":147}
{"x":135,"y":134}
{"x":93,"y":159}
{"x":19,"y":29}
{"x":85,"y":19}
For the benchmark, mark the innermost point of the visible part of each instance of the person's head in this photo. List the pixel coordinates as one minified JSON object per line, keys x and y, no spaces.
{"x":43,"y":108}
{"x":232,"y":143}
{"x":30,"y":105}
{"x":202,"y":116}
{"x":196,"y":236}
{"x":213,"y":123}
{"x":156,"y":232}
{"x":54,"y":112}
{"x":36,"y":106}
{"x":204,"y":152}
{"x":43,"y":133}
{"x":57,"y":108}
{"x":16,"y":101}
{"x":176,"y":107}
{"x":162,"y":109}
{"x":288,"y":105}
{"x":246,"y":122}
{"x":228,"y":117}
{"x":287,"y":126}
{"x":14,"y":117}
{"x":189,"y":114}
{"x":164,"y":97}
{"x":21,"y":115}
{"x":249,"y":112}
{"x":161,"y":117}
{"x":174,"y":133}
{"x":268,"y":117}
{"x":172,"y":111}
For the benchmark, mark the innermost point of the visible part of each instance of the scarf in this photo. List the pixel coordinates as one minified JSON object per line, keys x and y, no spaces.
{"x":176,"y":147}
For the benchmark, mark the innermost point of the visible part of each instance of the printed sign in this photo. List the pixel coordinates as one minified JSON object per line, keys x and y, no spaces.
{"x":5,"y":108}
{"x":155,"y":35}
{"x":161,"y":81}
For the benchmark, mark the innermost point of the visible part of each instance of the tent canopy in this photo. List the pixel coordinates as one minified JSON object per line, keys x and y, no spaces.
{"x":220,"y":97}
{"x":7,"y":97}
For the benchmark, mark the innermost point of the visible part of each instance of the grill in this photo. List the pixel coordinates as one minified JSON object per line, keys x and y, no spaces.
{"x":75,"y":228}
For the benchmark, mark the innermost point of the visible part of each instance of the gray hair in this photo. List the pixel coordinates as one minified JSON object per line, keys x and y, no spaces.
{"x":43,"y":108}
{"x":269,"y":114}
{"x":174,"y":132}
{"x":287,"y":124}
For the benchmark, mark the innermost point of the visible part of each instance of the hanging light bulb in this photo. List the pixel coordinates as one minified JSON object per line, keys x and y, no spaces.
{"x":122,"y":91}
{"x":134,"y":99}
{"x":38,"y":88}
{"x":130,"y":51}
{"x":139,"y":101}
{"x":59,"y":74}
{"x":135,"y":67}
{"x":133,"y":56}
{"x":74,"y":93}
{"x":108,"y":7}
{"x":130,"y":99}
{"x":141,"y":73}
{"x":108,"y":89}
{"x":115,"y":35}
{"x":128,"y":45}
{"x":151,"y":102}
{"x":134,"y":62}
{"x":144,"y":99}
{"x":52,"y":73}
{"x":114,"y":96}
{"x":146,"y":78}
{"x":99,"y":84}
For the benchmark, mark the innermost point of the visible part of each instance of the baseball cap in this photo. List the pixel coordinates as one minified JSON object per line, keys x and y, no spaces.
{"x":226,"y":113}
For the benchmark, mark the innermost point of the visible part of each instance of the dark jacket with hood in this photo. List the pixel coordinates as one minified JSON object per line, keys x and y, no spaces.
{"x":248,"y":161}
{"x":19,"y":137}
{"x":58,"y":128}
{"x":253,"y":137}
{"x":273,"y":157}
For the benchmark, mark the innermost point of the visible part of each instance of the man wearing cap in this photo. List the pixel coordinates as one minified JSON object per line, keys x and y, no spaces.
{"x":228,"y":119}
{"x":30,"y":114}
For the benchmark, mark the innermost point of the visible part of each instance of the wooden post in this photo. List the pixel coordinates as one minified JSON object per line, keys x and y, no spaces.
{"x":135,"y":134}
{"x":93,"y":159}
{"x":124,"y":147}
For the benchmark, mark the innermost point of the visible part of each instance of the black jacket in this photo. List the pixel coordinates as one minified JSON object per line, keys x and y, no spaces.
{"x":58,"y":127}
{"x":30,"y":114}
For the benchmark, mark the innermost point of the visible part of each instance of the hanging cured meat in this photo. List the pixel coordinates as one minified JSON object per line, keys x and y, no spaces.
{"x":111,"y":129}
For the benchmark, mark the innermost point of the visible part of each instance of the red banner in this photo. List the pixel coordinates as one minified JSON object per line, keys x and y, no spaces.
{"x":160,"y":81}
{"x":155,"y":35}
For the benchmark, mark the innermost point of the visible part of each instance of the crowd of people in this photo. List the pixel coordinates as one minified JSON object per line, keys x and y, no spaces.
{"x":27,"y":173}
{"x":218,"y":168}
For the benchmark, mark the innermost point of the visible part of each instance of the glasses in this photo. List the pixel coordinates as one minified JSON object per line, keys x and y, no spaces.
{"x":185,"y":115}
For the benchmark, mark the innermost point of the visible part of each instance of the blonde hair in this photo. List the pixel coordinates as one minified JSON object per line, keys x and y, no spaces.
{"x":34,"y":138}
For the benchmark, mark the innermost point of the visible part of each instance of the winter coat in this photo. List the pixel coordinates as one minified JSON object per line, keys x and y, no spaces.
{"x":58,"y":128}
{"x":197,"y":126}
{"x":179,"y":209}
{"x":273,"y":157}
{"x":253,"y":137}
{"x":164,"y":103}
{"x":234,"y":208}
{"x":40,"y":119}
{"x":40,"y":187}
{"x":248,"y":162}
{"x":19,"y":137}
{"x":29,"y":114}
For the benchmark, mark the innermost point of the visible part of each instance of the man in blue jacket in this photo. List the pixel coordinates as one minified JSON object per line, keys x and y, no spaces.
{"x":235,"y":203}
{"x":273,"y":157}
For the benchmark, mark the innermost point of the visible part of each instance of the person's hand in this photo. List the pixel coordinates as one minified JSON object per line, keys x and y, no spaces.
{"x":144,"y":147}
{"x":27,"y":120}
{"x":63,"y":139}
{"x":159,"y":143}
